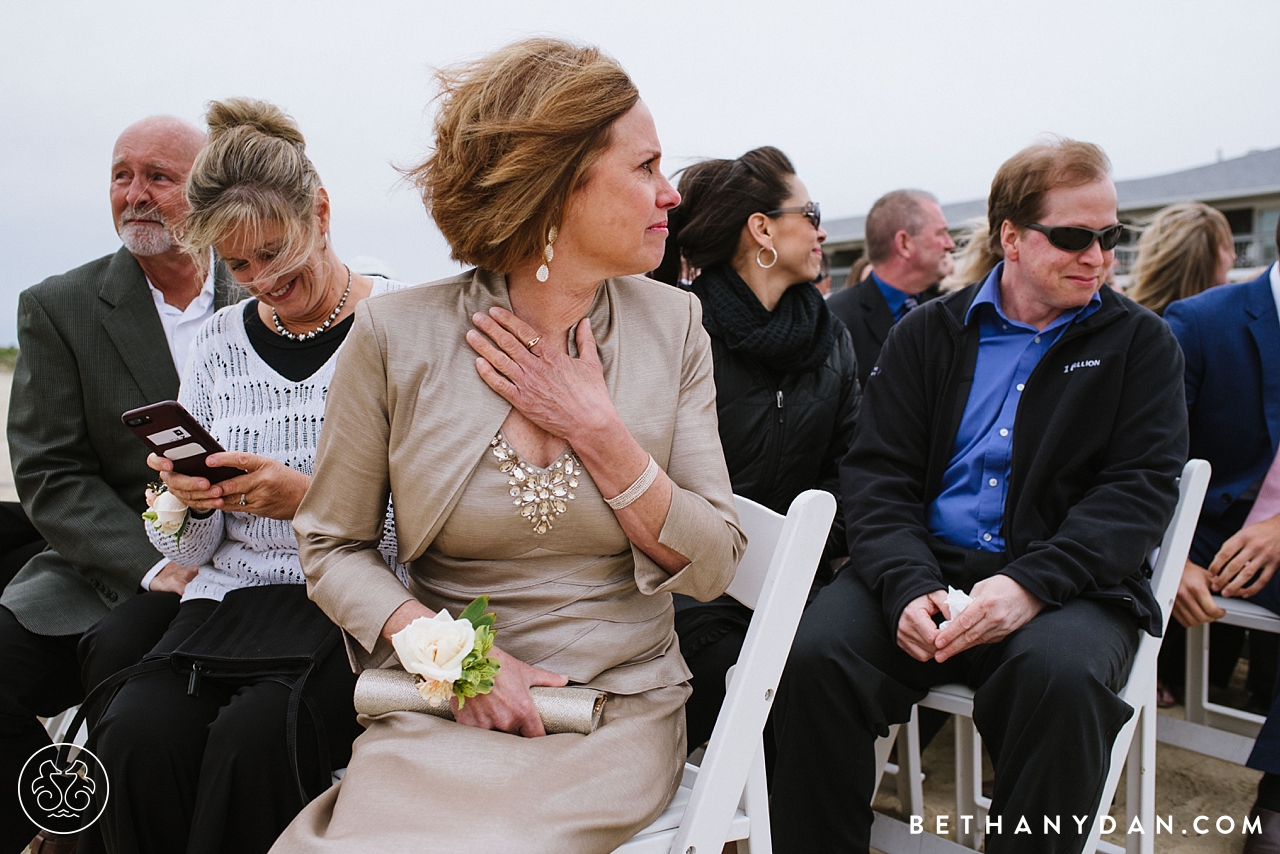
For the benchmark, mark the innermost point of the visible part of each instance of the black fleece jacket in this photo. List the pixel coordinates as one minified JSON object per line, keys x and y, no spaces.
{"x":1099,"y":440}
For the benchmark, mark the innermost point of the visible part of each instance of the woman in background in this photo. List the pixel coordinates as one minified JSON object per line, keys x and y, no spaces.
{"x":786,"y":376}
{"x":1186,"y":249}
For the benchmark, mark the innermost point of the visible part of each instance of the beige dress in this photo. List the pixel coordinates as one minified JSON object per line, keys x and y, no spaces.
{"x":577,"y":599}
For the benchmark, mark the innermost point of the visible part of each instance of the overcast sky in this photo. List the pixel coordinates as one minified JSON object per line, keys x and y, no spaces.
{"x":865,"y":97}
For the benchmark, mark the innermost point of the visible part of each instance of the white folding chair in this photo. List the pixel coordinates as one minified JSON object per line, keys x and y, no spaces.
{"x":725,"y":800}
{"x":1134,"y":747}
{"x":1212,"y":728}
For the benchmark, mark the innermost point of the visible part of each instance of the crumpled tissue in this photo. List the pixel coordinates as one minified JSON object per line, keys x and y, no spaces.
{"x":957,"y":601}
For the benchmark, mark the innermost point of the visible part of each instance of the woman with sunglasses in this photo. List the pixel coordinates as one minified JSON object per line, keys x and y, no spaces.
{"x":786,"y":375}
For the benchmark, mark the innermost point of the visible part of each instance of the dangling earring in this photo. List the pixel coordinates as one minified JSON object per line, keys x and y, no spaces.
{"x":763,"y":265}
{"x":544,"y":272}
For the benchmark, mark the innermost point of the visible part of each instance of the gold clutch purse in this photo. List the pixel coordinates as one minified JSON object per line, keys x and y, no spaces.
{"x":561,"y":709}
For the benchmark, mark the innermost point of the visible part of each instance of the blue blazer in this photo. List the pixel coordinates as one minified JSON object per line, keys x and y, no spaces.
{"x":1230,"y":336}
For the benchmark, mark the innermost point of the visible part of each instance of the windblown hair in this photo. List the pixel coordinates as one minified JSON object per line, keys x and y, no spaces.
{"x":516,"y":133}
{"x":858,"y":271}
{"x":900,"y":210}
{"x":252,"y":172}
{"x":1018,"y":190}
{"x":717,"y":198}
{"x":1178,"y":254}
{"x":975,"y":257}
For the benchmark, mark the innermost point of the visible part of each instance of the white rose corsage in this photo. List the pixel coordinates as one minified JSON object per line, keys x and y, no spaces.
{"x":166,"y":513}
{"x":448,"y":656}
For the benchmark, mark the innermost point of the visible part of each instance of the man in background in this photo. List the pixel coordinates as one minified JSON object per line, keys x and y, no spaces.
{"x":93,"y":343}
{"x":909,"y":248}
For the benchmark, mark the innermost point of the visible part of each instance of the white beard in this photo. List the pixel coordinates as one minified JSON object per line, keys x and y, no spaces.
{"x":146,"y":238}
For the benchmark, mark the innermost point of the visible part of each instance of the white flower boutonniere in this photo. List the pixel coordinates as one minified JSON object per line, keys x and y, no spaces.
{"x":166,"y":513}
{"x":448,"y":656}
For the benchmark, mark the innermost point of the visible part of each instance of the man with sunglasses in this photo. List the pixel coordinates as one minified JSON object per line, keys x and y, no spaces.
{"x":1019,"y":440}
{"x":908,"y":245}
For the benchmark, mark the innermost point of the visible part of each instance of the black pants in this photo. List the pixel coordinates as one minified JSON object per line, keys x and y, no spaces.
{"x":1045,"y":704}
{"x":44,"y":675}
{"x":211,"y":772}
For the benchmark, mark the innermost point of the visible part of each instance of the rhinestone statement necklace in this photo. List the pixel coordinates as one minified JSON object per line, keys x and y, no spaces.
{"x":541,"y":494}
{"x":333,"y":315}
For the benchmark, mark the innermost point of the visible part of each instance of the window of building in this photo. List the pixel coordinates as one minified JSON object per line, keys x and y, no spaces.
{"x":1240,"y":220}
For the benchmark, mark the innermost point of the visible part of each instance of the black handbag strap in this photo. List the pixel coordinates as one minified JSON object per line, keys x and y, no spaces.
{"x":191,"y":658}
{"x":298,"y":697}
{"x":104,"y":692}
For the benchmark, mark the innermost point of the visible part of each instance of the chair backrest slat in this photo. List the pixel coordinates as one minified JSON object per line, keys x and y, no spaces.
{"x":1166,"y":571}
{"x":764,"y":528}
{"x":773,"y":578}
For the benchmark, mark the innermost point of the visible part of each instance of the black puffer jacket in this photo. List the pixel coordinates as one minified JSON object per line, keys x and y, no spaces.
{"x":784,"y":433}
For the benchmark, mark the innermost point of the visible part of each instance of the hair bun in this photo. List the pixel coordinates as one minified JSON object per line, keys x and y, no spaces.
{"x":264,"y":117}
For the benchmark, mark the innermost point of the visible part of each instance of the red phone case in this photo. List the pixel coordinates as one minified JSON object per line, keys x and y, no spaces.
{"x":169,"y":430}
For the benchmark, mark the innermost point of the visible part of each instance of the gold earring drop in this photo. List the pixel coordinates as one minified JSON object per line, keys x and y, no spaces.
{"x":548,"y":252}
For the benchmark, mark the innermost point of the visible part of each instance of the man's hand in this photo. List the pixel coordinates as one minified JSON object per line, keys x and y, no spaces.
{"x":1194,"y":602}
{"x":1247,"y":560}
{"x":1000,"y":606}
{"x":916,"y":629}
{"x":173,"y":578}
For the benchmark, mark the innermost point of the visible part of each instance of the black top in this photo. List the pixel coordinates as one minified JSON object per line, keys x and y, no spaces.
{"x":1100,"y":437}
{"x":293,"y":360}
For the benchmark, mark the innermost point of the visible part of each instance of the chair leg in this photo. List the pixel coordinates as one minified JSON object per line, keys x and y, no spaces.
{"x":1140,"y":784}
{"x":910,"y":790}
{"x":755,"y":803}
{"x":1196,"y":688}
{"x":968,"y":783}
{"x":883,"y":747}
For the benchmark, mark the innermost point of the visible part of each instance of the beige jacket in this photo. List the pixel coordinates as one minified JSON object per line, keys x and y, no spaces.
{"x":409,"y":416}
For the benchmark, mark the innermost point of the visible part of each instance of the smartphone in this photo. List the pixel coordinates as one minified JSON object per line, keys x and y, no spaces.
{"x":169,"y":430}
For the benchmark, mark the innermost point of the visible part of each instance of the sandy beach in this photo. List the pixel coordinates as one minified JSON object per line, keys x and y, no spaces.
{"x":7,"y":491}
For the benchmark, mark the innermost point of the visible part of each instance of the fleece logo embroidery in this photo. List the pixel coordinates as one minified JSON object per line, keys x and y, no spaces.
{"x":1084,"y":363}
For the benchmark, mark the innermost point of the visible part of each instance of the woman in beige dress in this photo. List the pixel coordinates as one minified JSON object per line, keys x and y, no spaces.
{"x":556,"y":356}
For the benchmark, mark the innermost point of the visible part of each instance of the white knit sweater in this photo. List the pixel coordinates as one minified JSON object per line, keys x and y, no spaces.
{"x":247,"y":406}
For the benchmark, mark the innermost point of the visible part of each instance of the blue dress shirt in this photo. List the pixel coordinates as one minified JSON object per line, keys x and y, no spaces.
{"x":896,"y":299}
{"x":969,"y":510}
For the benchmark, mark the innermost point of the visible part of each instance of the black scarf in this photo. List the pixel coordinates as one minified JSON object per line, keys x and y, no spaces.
{"x":795,"y":337}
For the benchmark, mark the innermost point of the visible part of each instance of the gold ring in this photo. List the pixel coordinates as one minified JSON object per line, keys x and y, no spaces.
{"x":534,"y":341}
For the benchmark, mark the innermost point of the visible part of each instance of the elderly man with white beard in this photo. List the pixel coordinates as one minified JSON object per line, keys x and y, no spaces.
{"x":97,"y":341}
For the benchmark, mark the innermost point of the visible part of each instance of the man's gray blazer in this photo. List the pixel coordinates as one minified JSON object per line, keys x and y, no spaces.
{"x":91,"y":346}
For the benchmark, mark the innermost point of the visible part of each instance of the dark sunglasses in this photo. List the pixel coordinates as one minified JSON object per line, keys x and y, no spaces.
{"x":811,"y":212}
{"x":1076,"y":238}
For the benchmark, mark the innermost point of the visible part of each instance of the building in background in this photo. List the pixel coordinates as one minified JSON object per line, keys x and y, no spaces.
{"x":1246,"y":189}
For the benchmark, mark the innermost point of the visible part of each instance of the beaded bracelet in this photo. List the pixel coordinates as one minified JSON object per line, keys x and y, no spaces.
{"x":635,"y":490}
